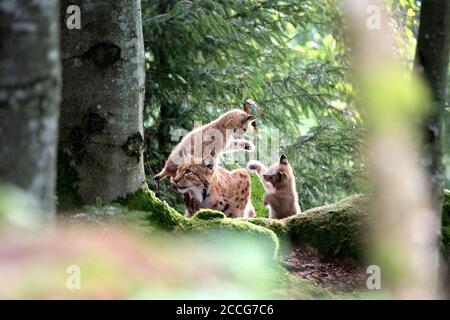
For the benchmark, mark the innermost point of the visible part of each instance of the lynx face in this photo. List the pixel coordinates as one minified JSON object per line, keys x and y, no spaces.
{"x":214,"y":187}
{"x":239,"y":121}
{"x":193,"y":177}
{"x":280,"y":174}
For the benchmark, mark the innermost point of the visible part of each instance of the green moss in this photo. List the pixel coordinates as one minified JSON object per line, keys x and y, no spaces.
{"x":67,"y":184}
{"x":207,"y":214}
{"x":257,"y":196}
{"x":207,"y":223}
{"x":158,"y":212}
{"x":339,"y":230}
{"x":335,"y":230}
{"x":446,"y":211}
{"x":278,"y":227}
{"x":235,"y":228}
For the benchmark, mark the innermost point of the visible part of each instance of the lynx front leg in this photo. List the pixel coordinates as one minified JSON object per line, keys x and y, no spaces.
{"x":191,"y":205}
{"x":249,"y":211}
{"x":260,"y":169}
{"x":240,"y":144}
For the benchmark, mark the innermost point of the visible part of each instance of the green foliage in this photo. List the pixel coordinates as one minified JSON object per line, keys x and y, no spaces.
{"x":328,"y":164}
{"x":257,"y":197}
{"x":405,"y":22}
{"x":204,"y":57}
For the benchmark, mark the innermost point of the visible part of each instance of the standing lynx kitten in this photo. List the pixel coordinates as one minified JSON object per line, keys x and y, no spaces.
{"x":279,"y":183}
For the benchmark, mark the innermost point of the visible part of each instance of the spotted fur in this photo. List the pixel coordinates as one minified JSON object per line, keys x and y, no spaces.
{"x":214,"y":187}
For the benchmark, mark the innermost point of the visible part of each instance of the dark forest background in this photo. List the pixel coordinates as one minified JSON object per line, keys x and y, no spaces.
{"x":291,"y":57}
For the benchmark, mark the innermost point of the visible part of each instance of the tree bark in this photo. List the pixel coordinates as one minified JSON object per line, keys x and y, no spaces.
{"x":101,"y":128}
{"x":29,"y":97}
{"x":431,"y":61}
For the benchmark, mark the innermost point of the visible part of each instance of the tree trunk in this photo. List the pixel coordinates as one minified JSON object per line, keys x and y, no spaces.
{"x":431,"y":61}
{"x":403,"y":237}
{"x":101,"y":128}
{"x":29,"y":97}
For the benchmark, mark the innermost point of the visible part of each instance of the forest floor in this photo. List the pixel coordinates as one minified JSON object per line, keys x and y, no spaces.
{"x":337,"y":277}
{"x":341,"y":279}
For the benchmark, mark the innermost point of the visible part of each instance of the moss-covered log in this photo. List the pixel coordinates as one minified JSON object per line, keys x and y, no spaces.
{"x":338,"y":230}
{"x":205,"y":223}
{"x":334,"y":231}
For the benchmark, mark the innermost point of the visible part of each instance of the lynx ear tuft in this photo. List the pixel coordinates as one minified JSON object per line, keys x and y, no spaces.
{"x":283,"y":159}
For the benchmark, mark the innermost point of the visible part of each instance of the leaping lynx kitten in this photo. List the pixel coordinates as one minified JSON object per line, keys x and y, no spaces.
{"x":221,"y":135}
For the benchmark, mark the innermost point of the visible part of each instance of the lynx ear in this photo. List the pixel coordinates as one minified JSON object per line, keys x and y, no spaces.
{"x":283,"y":159}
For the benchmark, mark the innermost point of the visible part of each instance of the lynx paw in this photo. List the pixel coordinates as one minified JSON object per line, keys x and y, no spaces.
{"x":248,"y":146}
{"x":253,"y":165}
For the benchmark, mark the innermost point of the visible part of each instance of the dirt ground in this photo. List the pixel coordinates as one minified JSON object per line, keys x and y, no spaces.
{"x":338,"y":277}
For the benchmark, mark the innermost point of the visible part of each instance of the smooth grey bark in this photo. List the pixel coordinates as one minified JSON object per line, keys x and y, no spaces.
{"x":29,"y":97}
{"x":431,"y":61}
{"x":101,"y":126}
